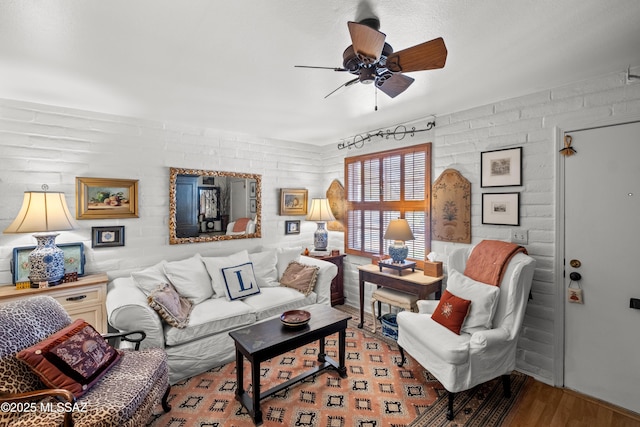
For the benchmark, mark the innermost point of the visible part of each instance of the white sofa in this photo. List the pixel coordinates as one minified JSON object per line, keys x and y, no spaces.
{"x":205,"y":342}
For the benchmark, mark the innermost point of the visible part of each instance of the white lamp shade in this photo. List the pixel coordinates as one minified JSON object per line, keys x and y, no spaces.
{"x":41,"y":212}
{"x":398,"y":229}
{"x":320,"y":211}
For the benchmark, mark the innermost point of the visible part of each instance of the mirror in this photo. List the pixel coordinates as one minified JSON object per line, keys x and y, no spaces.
{"x":206,"y":206}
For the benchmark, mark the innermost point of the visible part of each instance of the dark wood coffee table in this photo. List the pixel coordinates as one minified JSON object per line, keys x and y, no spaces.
{"x":265,"y":340}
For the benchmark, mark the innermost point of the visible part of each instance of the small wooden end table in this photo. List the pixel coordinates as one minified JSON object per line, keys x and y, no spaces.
{"x":415,"y":283}
{"x":265,"y":340}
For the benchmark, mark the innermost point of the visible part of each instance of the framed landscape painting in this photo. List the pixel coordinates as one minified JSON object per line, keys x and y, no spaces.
{"x":501,"y":208}
{"x":501,"y":168}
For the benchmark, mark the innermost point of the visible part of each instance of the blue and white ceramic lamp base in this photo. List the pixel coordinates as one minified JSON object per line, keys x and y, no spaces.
{"x":46,"y":262}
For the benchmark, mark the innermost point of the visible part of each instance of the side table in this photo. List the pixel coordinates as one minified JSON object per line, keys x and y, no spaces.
{"x":84,"y":299}
{"x":415,"y":283}
{"x":337,"y":284}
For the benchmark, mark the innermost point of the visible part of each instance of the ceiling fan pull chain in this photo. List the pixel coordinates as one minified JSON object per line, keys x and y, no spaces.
{"x":376,"y":97}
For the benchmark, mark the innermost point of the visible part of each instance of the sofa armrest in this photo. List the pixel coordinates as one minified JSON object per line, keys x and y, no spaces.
{"x":325,"y":276}
{"x":427,"y":306}
{"x":128,"y":310}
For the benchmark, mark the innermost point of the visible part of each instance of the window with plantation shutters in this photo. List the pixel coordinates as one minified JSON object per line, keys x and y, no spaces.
{"x":384,"y":186}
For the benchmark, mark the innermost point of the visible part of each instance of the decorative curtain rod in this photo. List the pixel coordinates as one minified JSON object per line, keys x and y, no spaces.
{"x":398,"y":134}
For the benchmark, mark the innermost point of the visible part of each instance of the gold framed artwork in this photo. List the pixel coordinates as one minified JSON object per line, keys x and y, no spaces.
{"x":451,"y":208}
{"x":293,"y":201}
{"x":106,"y":198}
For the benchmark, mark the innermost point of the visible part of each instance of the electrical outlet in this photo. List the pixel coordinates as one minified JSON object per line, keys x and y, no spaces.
{"x":520,"y":236}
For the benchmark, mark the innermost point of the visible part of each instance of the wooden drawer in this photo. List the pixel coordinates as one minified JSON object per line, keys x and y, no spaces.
{"x":78,"y":297}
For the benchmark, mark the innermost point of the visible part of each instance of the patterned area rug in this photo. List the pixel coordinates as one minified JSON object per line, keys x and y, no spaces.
{"x":375,"y":393}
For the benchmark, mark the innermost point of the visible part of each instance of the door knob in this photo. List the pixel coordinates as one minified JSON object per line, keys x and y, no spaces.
{"x":575,"y":276}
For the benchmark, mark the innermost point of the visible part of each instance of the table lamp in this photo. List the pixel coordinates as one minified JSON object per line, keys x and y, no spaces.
{"x":320,"y":212}
{"x":398,"y":231}
{"x":43,"y":213}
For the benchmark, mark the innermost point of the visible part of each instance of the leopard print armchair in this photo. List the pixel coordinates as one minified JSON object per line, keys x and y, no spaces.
{"x":125,"y":396}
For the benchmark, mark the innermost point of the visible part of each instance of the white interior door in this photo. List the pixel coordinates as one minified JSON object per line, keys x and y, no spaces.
{"x":602,"y":232}
{"x":239,"y":206}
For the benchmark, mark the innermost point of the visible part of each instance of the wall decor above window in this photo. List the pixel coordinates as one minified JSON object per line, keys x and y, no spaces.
{"x":501,"y":168}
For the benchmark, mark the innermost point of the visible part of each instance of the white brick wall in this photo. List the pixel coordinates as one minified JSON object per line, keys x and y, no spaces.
{"x":46,"y":144}
{"x":528,"y":122}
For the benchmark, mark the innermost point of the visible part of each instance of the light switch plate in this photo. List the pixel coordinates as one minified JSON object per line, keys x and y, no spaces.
{"x":520,"y":237}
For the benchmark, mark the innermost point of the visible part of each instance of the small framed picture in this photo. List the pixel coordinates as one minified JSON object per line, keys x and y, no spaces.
{"x":106,"y":198}
{"x":292,"y":227}
{"x":252,"y":189}
{"x":501,"y":208}
{"x":253,"y":205}
{"x":501,"y":168}
{"x":107,"y":236}
{"x":293,"y":201}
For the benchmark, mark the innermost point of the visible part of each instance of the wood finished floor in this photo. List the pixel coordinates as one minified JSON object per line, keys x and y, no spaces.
{"x":543,"y":405}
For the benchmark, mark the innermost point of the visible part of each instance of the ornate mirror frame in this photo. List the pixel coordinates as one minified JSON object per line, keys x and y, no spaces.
{"x":207,"y":237}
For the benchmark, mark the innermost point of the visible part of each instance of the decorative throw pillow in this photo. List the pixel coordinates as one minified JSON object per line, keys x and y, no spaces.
{"x":173,"y":308}
{"x":451,"y":311}
{"x":190,"y":278}
{"x":239,"y":281}
{"x":484,"y":300}
{"x":214,"y":265}
{"x":74,"y":358}
{"x":300,"y":277}
{"x":264,"y":268}
{"x":150,"y":278}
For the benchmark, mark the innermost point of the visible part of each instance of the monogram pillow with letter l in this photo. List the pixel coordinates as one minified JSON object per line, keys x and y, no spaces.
{"x":240,"y":281}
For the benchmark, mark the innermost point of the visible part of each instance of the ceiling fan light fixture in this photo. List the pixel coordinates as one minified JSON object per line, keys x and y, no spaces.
{"x":367,"y":75}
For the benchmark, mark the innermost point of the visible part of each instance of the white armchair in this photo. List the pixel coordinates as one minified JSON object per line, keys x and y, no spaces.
{"x":478,"y":354}
{"x":250,"y":228}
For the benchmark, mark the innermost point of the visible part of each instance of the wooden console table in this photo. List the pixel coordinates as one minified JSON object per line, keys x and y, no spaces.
{"x":415,"y":283}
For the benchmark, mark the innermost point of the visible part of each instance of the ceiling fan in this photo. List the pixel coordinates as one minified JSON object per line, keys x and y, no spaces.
{"x":373,"y":60}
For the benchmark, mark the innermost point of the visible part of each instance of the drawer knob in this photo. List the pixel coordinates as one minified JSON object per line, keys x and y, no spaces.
{"x":77,"y":298}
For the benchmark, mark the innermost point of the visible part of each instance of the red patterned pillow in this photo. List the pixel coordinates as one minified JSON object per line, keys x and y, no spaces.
{"x":74,"y":358}
{"x":451,"y":311}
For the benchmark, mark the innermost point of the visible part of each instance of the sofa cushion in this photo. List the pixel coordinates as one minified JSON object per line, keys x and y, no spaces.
{"x":190,"y":278}
{"x":173,"y":308}
{"x":74,"y":358}
{"x":301,"y":277}
{"x":451,"y":311}
{"x":213,"y":316}
{"x":214,"y":265}
{"x":285,"y":256}
{"x":483,"y":297}
{"x":442,"y":345}
{"x":150,"y":278}
{"x":274,"y":301}
{"x":264,"y":267}
{"x":239,"y":281}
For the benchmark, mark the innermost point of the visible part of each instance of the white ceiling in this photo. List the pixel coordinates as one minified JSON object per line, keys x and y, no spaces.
{"x":228,"y":64}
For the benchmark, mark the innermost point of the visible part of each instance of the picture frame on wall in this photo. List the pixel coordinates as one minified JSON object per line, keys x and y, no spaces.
{"x":106,"y":198}
{"x":252,"y":189}
{"x":293,"y":201}
{"x":501,"y":208}
{"x":292,"y":227}
{"x":253,"y":205}
{"x":74,"y":260}
{"x":501,"y":168}
{"x":107,"y":236}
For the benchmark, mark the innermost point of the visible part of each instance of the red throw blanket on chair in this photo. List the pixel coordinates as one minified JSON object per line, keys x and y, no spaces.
{"x":240,"y":225}
{"x":489,"y":259}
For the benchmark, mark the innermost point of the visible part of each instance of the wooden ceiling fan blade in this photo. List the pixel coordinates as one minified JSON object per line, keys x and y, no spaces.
{"x":395,"y":84}
{"x":367,"y":42}
{"x":349,"y":83}
{"x":425,"y":56}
